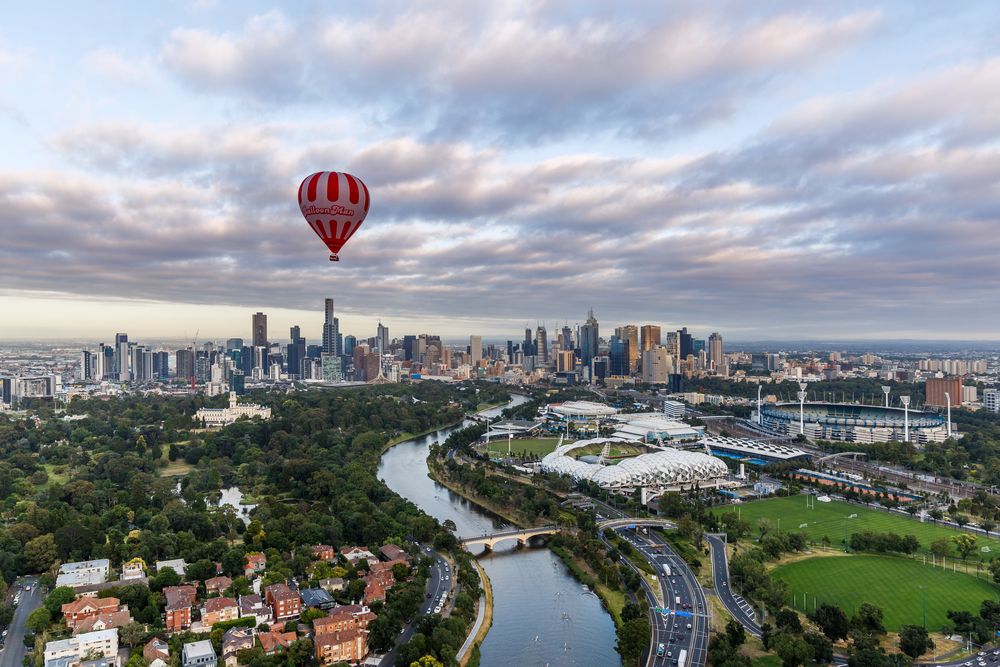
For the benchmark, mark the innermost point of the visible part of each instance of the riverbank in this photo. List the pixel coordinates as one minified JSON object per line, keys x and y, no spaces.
{"x":399,"y":439}
{"x":438,"y":475}
{"x":484,"y":621}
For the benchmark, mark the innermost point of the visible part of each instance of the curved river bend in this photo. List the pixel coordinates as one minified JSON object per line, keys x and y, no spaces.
{"x":541,"y":615}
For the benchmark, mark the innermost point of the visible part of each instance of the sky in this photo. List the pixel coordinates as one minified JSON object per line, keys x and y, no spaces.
{"x":769,"y":170}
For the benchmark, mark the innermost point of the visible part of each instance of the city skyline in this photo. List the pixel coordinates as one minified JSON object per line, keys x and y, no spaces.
{"x":778,"y":171}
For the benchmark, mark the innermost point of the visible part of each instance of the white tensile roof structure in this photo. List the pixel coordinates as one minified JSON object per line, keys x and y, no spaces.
{"x":665,"y":468}
{"x":581,"y":409}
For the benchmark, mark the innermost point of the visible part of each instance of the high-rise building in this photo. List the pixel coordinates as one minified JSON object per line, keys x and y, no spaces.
{"x":589,"y":337}
{"x":674,"y":344}
{"x":991,"y":399}
{"x":234,"y":344}
{"x":85,"y":371}
{"x":656,"y":365}
{"x":542,"y":345}
{"x":122,"y":357}
{"x":715,"y":354}
{"x":618,"y":356}
{"x":685,"y":343}
{"x":331,"y":367}
{"x":651,"y":336}
{"x":161,"y":365}
{"x":296,"y":352}
{"x":567,"y":338}
{"x":565,"y":361}
{"x":630,"y":334}
{"x":409,"y":347}
{"x":936,"y":388}
{"x":382,"y":339}
{"x":104,"y":361}
{"x":528,"y":347}
{"x":475,"y":350}
{"x":331,"y":329}
{"x":185,"y":364}
{"x":259,"y":329}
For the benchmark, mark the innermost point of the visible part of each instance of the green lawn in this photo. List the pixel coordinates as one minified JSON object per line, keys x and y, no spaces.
{"x":539,"y":446}
{"x":828,"y":520}
{"x":887,"y":582}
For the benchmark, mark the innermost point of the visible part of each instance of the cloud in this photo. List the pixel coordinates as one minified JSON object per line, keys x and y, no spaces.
{"x":513,"y":69}
{"x":115,"y":66}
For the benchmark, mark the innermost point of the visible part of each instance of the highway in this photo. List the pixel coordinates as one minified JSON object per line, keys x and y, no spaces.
{"x":739,"y":608}
{"x":13,"y":650}
{"x":437,"y":586}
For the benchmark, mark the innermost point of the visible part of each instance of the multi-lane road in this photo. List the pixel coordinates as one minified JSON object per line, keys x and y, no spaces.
{"x":440,"y":583}
{"x":13,"y":650}
{"x":735,"y":604}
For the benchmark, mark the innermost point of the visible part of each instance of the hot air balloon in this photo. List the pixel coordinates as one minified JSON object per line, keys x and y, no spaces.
{"x":334,"y":204}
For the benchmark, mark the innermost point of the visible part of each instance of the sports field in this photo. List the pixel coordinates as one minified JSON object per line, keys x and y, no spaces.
{"x":539,"y":446}
{"x":829,"y":520}
{"x":887,"y":582}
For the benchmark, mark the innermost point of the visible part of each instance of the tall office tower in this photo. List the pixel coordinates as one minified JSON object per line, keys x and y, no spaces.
{"x":936,"y":388}
{"x":528,"y":347}
{"x":651,"y":336}
{"x":350,"y":344}
{"x":409,"y":347}
{"x":259,"y":329}
{"x":359,"y":355}
{"x":432,"y":354}
{"x":656,"y":365}
{"x":618,"y":356}
{"x":382,"y":339}
{"x":715,"y":353}
{"x":589,"y":339}
{"x":685,"y":343}
{"x":121,"y":357}
{"x":991,"y":399}
{"x":698,"y":345}
{"x":234,"y":344}
{"x":85,"y":371}
{"x":331,"y":329}
{"x":138,"y":362}
{"x":102,"y":361}
{"x":542,"y":345}
{"x":296,"y":352}
{"x":630,"y":334}
{"x":475,"y":350}
{"x":185,"y":364}
{"x":565,"y":361}
{"x":567,"y":338}
{"x":674,"y":344}
{"x":331,"y":367}
{"x":510,"y":352}
{"x":161,"y":365}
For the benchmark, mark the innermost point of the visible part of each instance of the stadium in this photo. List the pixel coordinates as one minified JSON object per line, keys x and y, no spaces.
{"x":853,"y":423}
{"x":666,"y":469}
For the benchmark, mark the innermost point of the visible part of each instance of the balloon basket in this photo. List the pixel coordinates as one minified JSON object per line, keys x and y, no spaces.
{"x":334,"y":258}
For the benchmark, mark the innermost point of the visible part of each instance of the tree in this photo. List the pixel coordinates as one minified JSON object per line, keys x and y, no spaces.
{"x":965,"y":544}
{"x":832,"y":621}
{"x":57,"y":598}
{"x":763,"y":525}
{"x":132,"y":634}
{"x":914,"y":641}
{"x":822,"y":647}
{"x":427,"y":661}
{"x":633,"y":637}
{"x":868,"y":619}
{"x":39,"y":619}
{"x":40,"y":553}
{"x":735,"y":634}
{"x":987,"y":526}
{"x":201,"y":570}
{"x":941,"y":548}
{"x":792,"y":650}
{"x":788,"y":620}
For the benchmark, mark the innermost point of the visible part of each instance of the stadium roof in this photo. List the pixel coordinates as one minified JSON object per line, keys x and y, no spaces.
{"x":582,"y":409}
{"x":754,"y":447}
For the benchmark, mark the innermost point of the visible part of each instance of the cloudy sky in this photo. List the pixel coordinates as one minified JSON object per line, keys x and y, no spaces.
{"x":767,"y":169}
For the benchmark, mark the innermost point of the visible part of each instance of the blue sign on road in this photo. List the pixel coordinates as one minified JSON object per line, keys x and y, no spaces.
{"x":683,"y":613}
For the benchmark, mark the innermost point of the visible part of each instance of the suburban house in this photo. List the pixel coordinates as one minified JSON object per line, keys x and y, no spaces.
{"x":324,"y":552}
{"x":374,"y":590}
{"x":253,"y":605}
{"x":198,"y":654}
{"x":275,"y":642}
{"x":333,"y":584}
{"x":156,"y":649}
{"x":284,"y":602}
{"x":343,"y":635}
{"x":355,"y":554}
{"x":393,"y":552}
{"x":178,"y":608}
{"x":218,"y":610}
{"x":177,"y":565}
{"x":73,"y":651}
{"x":111,"y":621}
{"x":81,"y":609}
{"x":84,"y":573}
{"x":317,"y":598}
{"x":234,"y":641}
{"x":217,"y":585}
{"x":255,"y":565}
{"x":383,"y":572}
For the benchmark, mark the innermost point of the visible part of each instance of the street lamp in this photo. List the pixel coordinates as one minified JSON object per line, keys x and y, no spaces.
{"x":802,"y":408}
{"x":947,"y":397}
{"x":759,"y":418}
{"x":905,"y":400}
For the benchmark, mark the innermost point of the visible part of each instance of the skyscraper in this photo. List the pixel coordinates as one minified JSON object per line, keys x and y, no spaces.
{"x":528,"y":347}
{"x":656,"y":365}
{"x":185,"y":364}
{"x":331,"y":329}
{"x":296,"y":352}
{"x":409,"y":347}
{"x":685,"y":343}
{"x":567,"y":338}
{"x":122,"y":358}
{"x":715,"y":354}
{"x":542,"y":344}
{"x":475,"y":349}
{"x":629,"y":333}
{"x":618,"y":356}
{"x":382,"y":339}
{"x":85,"y":371}
{"x":259,"y":330}
{"x":589,"y":337}
{"x":651,"y":336}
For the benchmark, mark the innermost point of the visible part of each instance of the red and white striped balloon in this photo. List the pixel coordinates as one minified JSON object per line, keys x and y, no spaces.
{"x":334,"y":204}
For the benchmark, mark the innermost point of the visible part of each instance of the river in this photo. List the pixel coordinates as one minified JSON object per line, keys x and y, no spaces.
{"x":541,"y":614}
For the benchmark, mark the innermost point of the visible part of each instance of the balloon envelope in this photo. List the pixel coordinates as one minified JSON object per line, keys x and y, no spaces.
{"x":334,"y":204}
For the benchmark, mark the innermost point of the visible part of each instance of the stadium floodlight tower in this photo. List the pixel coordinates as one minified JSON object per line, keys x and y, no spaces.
{"x":947,"y":397}
{"x":905,"y":400}
{"x":885,"y":390}
{"x":802,"y":408}
{"x":759,"y":418}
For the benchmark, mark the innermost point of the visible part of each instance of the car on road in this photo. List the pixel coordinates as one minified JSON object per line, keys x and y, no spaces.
{"x":659,"y":650}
